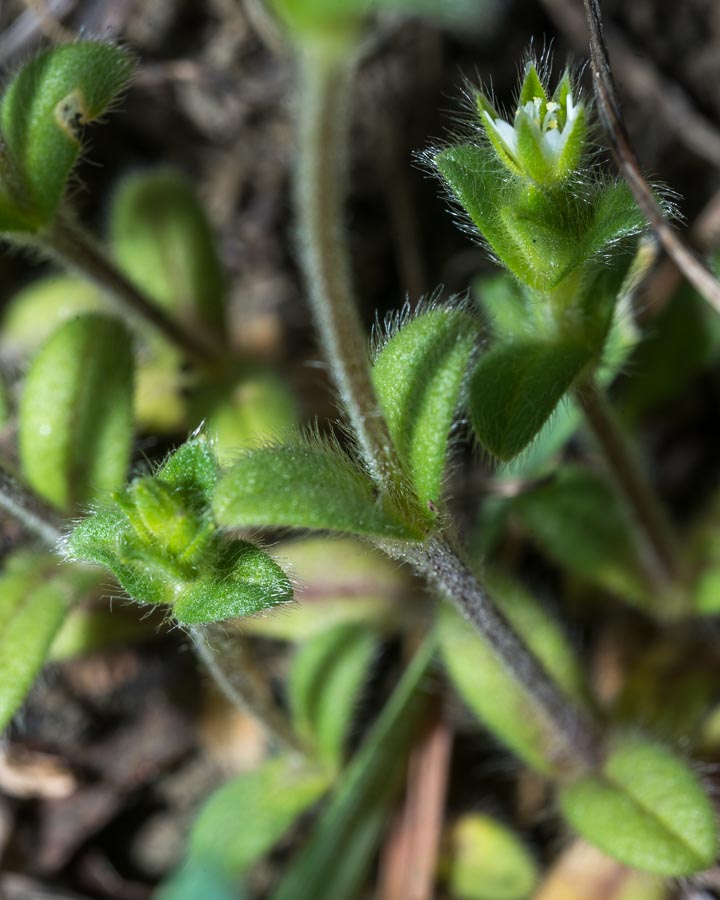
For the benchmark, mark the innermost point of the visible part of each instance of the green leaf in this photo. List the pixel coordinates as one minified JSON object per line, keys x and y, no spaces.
{"x":307,"y":484}
{"x":192,"y":467}
{"x":163,"y":241}
{"x":244,"y":818}
{"x":577,"y":520}
{"x":243,"y":580}
{"x":244,"y":411}
{"x":491,"y":691}
{"x":41,"y":117}
{"x":327,"y":675}
{"x":335,"y":861}
{"x":334,"y":25}
{"x":35,"y":596}
{"x":194,"y":879}
{"x":515,"y":388}
{"x":39,"y":309}
{"x":88,"y":629}
{"x":418,"y":375}
{"x":646,"y":809}
{"x":339,"y":581}
{"x":487,"y":861}
{"x":76,"y":428}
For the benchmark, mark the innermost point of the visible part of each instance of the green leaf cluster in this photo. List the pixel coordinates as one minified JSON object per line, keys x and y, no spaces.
{"x":160,"y":541}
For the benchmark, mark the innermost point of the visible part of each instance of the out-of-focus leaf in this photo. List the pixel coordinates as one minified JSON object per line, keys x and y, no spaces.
{"x":75,"y":418}
{"x":163,"y":241}
{"x":246,"y":411}
{"x":36,"y":592}
{"x":579,"y":523}
{"x":646,"y":809}
{"x":327,"y":675}
{"x":41,"y":116}
{"x":269,"y":799}
{"x":491,"y":691}
{"x":335,"y":861}
{"x":485,"y":860}
{"x":339,"y":581}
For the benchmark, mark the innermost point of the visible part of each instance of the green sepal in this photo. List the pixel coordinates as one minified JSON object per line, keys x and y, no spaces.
{"x":575,"y":143}
{"x":478,"y":180}
{"x":485,"y":860}
{"x":491,"y":690}
{"x":306,"y":484}
{"x":41,"y":117}
{"x":243,"y":580}
{"x":560,"y":94}
{"x":270,"y":798}
{"x":646,"y":809}
{"x":532,"y":87}
{"x":418,"y":375}
{"x":516,"y":387}
{"x":163,"y":241}
{"x":486,"y":111}
{"x":327,"y":675}
{"x":75,"y":417}
{"x":36,"y":594}
{"x":532,"y":160}
{"x":334,"y":862}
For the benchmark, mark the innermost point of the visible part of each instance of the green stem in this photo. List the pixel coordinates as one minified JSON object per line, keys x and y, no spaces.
{"x":74,"y":247}
{"x":630,"y":479}
{"x":321,"y":176}
{"x":323,"y":112}
{"x":579,"y":745}
{"x":29,"y":510}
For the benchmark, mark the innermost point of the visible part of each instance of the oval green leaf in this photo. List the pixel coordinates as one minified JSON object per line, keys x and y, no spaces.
{"x":418,"y":375}
{"x":76,"y":425}
{"x":646,"y":809}
{"x":516,"y":387}
{"x":307,"y":484}
{"x":163,"y":241}
{"x":42,"y":114}
{"x":327,"y":675}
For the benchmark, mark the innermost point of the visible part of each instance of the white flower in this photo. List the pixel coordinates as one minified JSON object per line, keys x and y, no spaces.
{"x":544,"y":119}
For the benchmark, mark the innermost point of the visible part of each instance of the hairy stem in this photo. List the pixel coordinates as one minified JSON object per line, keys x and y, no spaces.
{"x":631,"y":481}
{"x":578,"y":740}
{"x":74,"y":247}
{"x":29,"y":510}
{"x":227,"y":658}
{"x":321,"y":177}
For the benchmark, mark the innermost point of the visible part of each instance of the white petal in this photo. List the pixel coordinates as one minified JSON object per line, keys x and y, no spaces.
{"x":506,"y":133}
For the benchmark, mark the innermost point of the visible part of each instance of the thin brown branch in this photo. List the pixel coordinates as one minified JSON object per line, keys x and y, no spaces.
{"x":692,"y":268}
